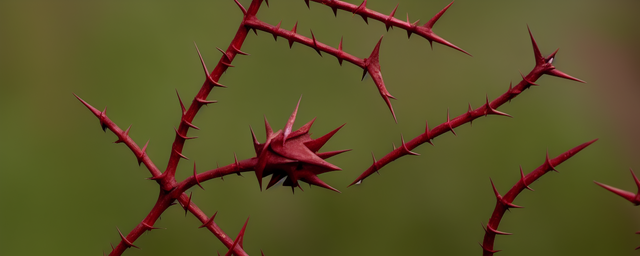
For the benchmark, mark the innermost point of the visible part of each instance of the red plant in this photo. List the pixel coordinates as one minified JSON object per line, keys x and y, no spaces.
{"x":293,"y":156}
{"x":631,"y":197}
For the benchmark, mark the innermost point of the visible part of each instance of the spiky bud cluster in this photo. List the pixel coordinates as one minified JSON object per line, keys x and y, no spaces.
{"x":293,"y":155}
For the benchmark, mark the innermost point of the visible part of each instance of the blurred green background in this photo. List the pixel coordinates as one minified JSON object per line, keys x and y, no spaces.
{"x":65,"y":186}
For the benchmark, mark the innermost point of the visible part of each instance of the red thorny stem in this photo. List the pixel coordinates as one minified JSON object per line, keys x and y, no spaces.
{"x":505,"y":202}
{"x":389,"y":21}
{"x":171,"y":190}
{"x":168,"y":177}
{"x":544,"y":65}
{"x":371,"y":64}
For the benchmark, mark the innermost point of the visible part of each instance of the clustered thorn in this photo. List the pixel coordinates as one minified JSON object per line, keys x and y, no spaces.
{"x":293,"y":155}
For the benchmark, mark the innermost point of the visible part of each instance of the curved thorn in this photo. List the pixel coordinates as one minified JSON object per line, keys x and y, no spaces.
{"x":125,"y":240}
{"x":209,"y":221}
{"x":435,"y":18}
{"x":244,"y":11}
{"x":180,"y":154}
{"x":186,"y":206}
{"x":206,"y":71}
{"x":143,"y":154}
{"x":294,"y":30}
{"x":315,"y":43}
{"x":427,"y":133}
{"x":523,"y":181}
{"x":387,"y":22}
{"x":126,"y":134}
{"x":195,"y":176}
{"x":183,"y":136}
{"x":449,"y":124}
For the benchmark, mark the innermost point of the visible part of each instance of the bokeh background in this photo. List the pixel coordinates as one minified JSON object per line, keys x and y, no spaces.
{"x":65,"y":186}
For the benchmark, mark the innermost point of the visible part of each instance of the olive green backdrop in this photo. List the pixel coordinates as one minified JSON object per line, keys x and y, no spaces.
{"x":65,"y":187}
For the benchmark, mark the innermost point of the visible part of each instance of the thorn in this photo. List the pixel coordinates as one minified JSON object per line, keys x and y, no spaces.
{"x":183,"y":136}
{"x":143,"y":154}
{"x":228,"y":63}
{"x":375,"y":163}
{"x":633,"y":198}
{"x":523,"y":181}
{"x":235,"y":160}
{"x":372,"y":66}
{"x":316,"y":144}
{"x":449,"y":124}
{"x":339,"y":55}
{"x":294,"y":30}
{"x":205,"y":102}
{"x":536,"y":51}
{"x":315,"y":43}
{"x":405,"y":149}
{"x":126,"y":134}
{"x":335,"y":11}
{"x":125,"y":240}
{"x":224,"y":53}
{"x":362,"y":7}
{"x":184,"y":110}
{"x":186,"y":207}
{"x":289,"y":126}
{"x":488,"y":250}
{"x":492,"y":111}
{"x":239,"y":239}
{"x":206,"y":71}
{"x":435,"y":18}
{"x":427,"y":133}
{"x":180,"y":154}
{"x":256,"y":144}
{"x":495,"y":231}
{"x":387,"y":22}
{"x":512,"y":91}
{"x":209,"y":221}
{"x":149,"y":227}
{"x":190,"y":124}
{"x":100,"y":115}
{"x":558,"y":73}
{"x":529,"y":82}
{"x":307,"y":1}
{"x":469,"y":114}
{"x":244,"y":11}
{"x":548,"y":164}
{"x":103,"y":116}
{"x":195,"y":176}
{"x":267,"y":1}
{"x":501,"y":199}
{"x":275,"y":37}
